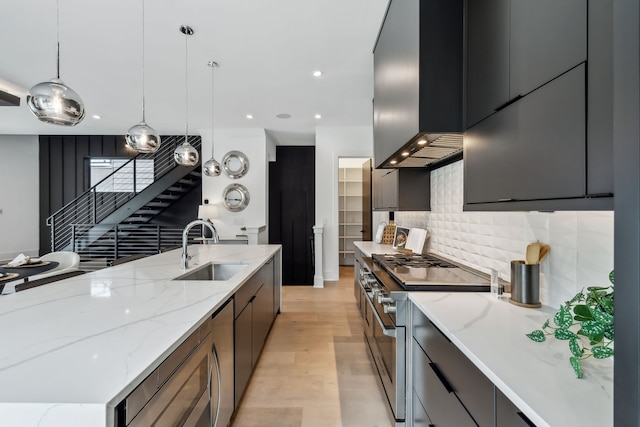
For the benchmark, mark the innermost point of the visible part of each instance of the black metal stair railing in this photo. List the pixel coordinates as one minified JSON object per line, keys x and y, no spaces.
{"x":104,"y":198}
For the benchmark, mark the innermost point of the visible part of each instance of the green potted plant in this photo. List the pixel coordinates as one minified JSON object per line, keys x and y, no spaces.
{"x":586,"y":322}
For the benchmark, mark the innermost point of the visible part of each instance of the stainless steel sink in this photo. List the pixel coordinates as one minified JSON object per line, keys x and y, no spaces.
{"x":213,"y":271}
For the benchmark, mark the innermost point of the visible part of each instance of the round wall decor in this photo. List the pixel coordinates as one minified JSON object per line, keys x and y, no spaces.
{"x":235,"y":197}
{"x":235,"y":164}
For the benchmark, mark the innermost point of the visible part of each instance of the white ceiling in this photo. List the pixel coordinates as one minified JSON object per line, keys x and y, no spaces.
{"x":267,"y":51}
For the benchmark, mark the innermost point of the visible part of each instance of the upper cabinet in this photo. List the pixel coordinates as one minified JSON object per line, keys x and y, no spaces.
{"x":418,"y":78}
{"x":538,"y":105}
{"x":407,"y":189}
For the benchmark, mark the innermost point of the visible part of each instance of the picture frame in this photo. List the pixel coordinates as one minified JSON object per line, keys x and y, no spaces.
{"x":400,"y":237}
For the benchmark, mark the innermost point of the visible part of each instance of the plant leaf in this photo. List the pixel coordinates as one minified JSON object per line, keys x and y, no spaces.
{"x":546,"y":324}
{"x":609,"y":332}
{"x":602,"y":352}
{"x":563,"y":334}
{"x":563,"y":317}
{"x":537,"y":336}
{"x":576,"y":365}
{"x":596,"y":339}
{"x":611,"y":277}
{"x":602,"y":317}
{"x":575,"y":347}
{"x":593,"y":328}
{"x":582,"y":313}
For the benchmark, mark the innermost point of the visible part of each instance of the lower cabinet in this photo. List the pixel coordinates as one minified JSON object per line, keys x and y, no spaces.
{"x":222,"y":366}
{"x":255,"y":310}
{"x":448,"y":389}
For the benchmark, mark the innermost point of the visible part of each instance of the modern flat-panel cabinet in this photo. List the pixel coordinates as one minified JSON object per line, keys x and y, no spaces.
{"x":516,"y":46}
{"x":222,"y":397}
{"x":508,"y":414}
{"x":404,"y":189}
{"x":255,"y":310}
{"x":539,"y":105}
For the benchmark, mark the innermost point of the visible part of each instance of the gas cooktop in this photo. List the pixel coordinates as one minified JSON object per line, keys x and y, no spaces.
{"x":416,"y":272}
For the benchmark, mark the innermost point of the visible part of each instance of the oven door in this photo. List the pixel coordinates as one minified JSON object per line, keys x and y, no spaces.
{"x":387,"y":345}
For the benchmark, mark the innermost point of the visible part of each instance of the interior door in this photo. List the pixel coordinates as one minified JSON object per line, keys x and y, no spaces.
{"x":366,"y":201}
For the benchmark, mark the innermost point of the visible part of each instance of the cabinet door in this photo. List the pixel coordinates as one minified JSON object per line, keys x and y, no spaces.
{"x":533,"y":149}
{"x":420,"y":417}
{"x":262,"y":320}
{"x":396,"y":62}
{"x":242,"y":351}
{"x":385,"y":189}
{"x":487,"y":57}
{"x":433,"y":389}
{"x":508,"y":415}
{"x":222,"y":333}
{"x":548,"y":37}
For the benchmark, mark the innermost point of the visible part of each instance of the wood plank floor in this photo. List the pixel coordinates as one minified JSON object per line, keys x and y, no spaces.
{"x":314,"y":370}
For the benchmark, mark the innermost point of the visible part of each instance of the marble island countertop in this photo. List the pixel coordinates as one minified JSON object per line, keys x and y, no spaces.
{"x":536,"y":377}
{"x":73,"y":349}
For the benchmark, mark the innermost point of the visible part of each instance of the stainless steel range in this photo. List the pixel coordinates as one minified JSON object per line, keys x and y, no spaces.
{"x":381,"y":285}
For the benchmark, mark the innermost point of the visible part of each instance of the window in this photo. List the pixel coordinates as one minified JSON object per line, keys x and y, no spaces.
{"x":116,"y":175}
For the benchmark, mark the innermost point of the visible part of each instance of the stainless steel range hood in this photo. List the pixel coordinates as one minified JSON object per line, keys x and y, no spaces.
{"x":427,"y":150}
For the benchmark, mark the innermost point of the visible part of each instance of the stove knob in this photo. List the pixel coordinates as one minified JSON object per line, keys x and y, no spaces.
{"x":389,"y":307}
{"x":371,"y":280}
{"x":384,"y":299}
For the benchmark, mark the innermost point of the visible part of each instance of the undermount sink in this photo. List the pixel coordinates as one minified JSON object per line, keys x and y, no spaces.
{"x":213,"y":271}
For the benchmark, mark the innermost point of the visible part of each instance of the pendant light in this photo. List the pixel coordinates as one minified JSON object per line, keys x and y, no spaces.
{"x":211,"y":167}
{"x":185,"y":154}
{"x":54,"y":102}
{"x":142,"y":137}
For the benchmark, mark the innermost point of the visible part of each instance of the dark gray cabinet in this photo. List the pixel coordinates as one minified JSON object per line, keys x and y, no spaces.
{"x":407,"y":189}
{"x":222,"y":404}
{"x":418,"y":74}
{"x":516,"y":46}
{"x":254,"y":315}
{"x":508,"y":414}
{"x":452,"y":389}
{"x":540,"y":139}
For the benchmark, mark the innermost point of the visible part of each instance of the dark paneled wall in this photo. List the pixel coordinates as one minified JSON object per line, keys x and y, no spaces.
{"x":64,"y":175}
{"x":292,"y":211}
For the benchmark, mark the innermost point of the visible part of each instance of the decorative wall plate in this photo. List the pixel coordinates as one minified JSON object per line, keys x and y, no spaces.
{"x":235,"y":197}
{"x":235,"y":164}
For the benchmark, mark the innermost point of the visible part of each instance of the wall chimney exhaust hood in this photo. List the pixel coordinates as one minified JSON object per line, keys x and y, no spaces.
{"x":8,"y":100}
{"x":418,"y":84}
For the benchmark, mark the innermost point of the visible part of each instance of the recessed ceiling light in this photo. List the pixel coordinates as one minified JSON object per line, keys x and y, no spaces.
{"x":249,"y":116}
{"x":317,"y":73}
{"x":96,"y":116}
{"x":283,"y":115}
{"x":318,"y":116}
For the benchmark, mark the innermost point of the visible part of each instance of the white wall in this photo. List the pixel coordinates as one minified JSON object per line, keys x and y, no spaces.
{"x":581,"y":243}
{"x":19,"y":196}
{"x":332,"y":143}
{"x":253,"y":143}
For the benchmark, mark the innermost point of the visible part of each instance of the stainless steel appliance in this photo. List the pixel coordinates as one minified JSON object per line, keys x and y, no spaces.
{"x":176,"y":393}
{"x":381,"y":285}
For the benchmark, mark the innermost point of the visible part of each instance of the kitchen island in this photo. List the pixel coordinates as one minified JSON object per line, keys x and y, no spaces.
{"x":73,"y":349}
{"x":536,"y":377}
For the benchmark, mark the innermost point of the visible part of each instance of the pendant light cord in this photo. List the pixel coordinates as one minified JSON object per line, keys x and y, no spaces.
{"x":143,"y":87}
{"x":58,"y":39}
{"x":213,"y":70}
{"x":186,"y":86}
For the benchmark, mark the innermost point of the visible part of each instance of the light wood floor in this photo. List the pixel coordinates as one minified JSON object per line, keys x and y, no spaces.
{"x":314,"y":369}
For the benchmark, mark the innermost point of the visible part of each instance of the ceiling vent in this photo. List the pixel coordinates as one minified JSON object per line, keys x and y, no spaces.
{"x":9,"y":100}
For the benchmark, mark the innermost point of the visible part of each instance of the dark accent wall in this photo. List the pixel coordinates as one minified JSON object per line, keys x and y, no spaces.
{"x":64,"y":175}
{"x":292,"y":211}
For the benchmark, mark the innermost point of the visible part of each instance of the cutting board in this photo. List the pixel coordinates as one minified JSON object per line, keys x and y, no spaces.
{"x":416,"y":239}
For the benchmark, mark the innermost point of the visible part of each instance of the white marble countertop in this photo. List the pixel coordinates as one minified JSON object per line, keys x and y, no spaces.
{"x":71,"y":350}
{"x":536,"y":377}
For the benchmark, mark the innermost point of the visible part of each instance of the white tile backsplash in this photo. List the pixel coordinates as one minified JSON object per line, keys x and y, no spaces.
{"x":581,"y":242}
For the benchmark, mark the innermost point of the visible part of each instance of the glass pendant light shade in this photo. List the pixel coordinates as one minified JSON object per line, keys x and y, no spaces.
{"x":143,"y":138}
{"x":56,"y":103}
{"x":211,"y":167}
{"x":185,"y":154}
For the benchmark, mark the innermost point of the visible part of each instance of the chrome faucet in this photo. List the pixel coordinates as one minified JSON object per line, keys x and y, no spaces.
{"x":185,"y":234}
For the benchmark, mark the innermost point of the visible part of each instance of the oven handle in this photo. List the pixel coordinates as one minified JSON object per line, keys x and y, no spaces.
{"x":390,"y":332}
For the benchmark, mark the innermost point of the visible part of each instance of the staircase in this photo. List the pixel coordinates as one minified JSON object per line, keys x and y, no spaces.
{"x":107,"y":222}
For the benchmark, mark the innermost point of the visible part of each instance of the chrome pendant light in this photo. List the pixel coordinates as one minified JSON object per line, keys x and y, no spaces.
{"x":54,"y":102}
{"x":211,"y":167}
{"x":185,"y":154}
{"x":142,"y":137}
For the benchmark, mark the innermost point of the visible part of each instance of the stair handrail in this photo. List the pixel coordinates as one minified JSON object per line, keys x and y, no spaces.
{"x":163,"y":157}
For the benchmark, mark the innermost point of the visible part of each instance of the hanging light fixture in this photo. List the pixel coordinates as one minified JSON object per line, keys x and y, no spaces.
{"x":211,"y":167}
{"x":54,"y":102}
{"x":142,"y":137}
{"x":185,"y":154}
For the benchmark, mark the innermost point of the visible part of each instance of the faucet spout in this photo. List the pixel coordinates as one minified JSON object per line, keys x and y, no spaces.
{"x":185,"y":235}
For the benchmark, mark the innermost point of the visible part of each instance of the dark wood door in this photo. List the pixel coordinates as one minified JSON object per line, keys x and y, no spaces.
{"x":292,"y":211}
{"x":366,"y":201}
